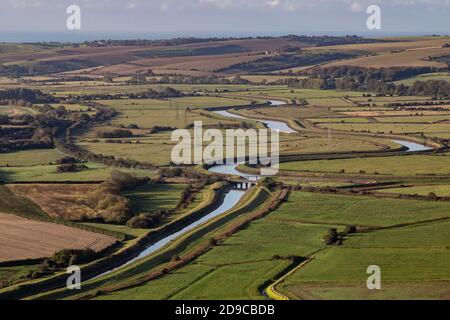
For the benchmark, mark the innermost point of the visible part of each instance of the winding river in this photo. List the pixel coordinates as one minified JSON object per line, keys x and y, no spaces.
{"x":284,"y":128}
{"x":271,"y":124}
{"x":229,"y":201}
{"x":232,"y":198}
{"x":412,"y":146}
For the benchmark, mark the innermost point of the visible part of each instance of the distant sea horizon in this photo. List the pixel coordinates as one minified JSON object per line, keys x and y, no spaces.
{"x":80,"y":36}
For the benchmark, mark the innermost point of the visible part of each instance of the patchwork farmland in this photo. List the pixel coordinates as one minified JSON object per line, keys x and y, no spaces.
{"x":87,"y":175}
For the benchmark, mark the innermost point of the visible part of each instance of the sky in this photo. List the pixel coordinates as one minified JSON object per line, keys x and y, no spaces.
{"x":150,"y":18}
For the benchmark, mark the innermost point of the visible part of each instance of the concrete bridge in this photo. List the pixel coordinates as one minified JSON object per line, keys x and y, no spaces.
{"x":242,"y":184}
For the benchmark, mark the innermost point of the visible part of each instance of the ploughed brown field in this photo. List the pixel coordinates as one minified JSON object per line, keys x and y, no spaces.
{"x":395,"y":54}
{"x":66,"y":201}
{"x":205,"y":64}
{"x":131,"y":59}
{"x":27,"y":239}
{"x":408,"y":58}
{"x":389,"y":46}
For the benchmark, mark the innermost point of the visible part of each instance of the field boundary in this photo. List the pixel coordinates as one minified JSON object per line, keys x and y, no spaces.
{"x":227,"y":224}
{"x":110,"y":262}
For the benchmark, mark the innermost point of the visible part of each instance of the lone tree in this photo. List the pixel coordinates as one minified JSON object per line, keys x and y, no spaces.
{"x":432,"y":196}
{"x":332,"y":237}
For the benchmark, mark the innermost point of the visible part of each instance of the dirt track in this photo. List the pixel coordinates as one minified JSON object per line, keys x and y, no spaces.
{"x":27,"y":239}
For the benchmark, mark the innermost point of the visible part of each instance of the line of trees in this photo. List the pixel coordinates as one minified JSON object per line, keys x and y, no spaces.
{"x":149,"y":94}
{"x":379,"y":81}
{"x":28,"y":95}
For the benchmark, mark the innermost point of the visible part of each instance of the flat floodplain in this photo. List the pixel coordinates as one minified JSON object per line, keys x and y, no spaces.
{"x":28,"y":158}
{"x":441,"y":190}
{"x":360,"y":211}
{"x":413,"y":255}
{"x":414,"y":262}
{"x":238,"y":267}
{"x":123,"y":101}
{"x":396,"y":166}
{"x":94,"y":172}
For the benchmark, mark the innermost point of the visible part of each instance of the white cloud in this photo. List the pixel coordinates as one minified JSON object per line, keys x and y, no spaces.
{"x":217,"y":3}
{"x":356,"y":7}
{"x":25,"y":3}
{"x":273,"y":3}
{"x":287,"y":5}
{"x":131,"y":5}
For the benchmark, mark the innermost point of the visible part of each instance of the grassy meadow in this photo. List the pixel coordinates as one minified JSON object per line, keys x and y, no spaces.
{"x":413,"y":260}
{"x":29,"y":158}
{"x":94,"y":172}
{"x":154,"y":197}
{"x":359,"y":210}
{"x":396,"y":166}
{"x":438,"y":189}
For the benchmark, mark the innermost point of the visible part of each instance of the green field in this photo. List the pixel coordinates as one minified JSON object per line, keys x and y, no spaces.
{"x":146,"y":119}
{"x":154,"y":197}
{"x":339,"y":120}
{"x":400,"y":166}
{"x":427,"y":235}
{"x":252,"y":201}
{"x":413,"y":260}
{"x":389,"y":99}
{"x":328,"y":102}
{"x":135,"y":233}
{"x":13,"y":204}
{"x":424,"y":77}
{"x":182,"y":103}
{"x":340,"y":273}
{"x":27,"y":158}
{"x":418,"y":119}
{"x":75,"y":88}
{"x":95,"y":172}
{"x":362,"y":211}
{"x":203,"y":282}
{"x":439,"y":190}
{"x":11,"y":275}
{"x":305,"y":93}
{"x":239,"y":266}
{"x":403,"y":128}
{"x":264,"y":247}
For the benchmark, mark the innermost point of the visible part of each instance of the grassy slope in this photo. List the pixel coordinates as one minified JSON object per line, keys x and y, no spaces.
{"x":10,"y":275}
{"x":425,"y":77}
{"x":10,"y":203}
